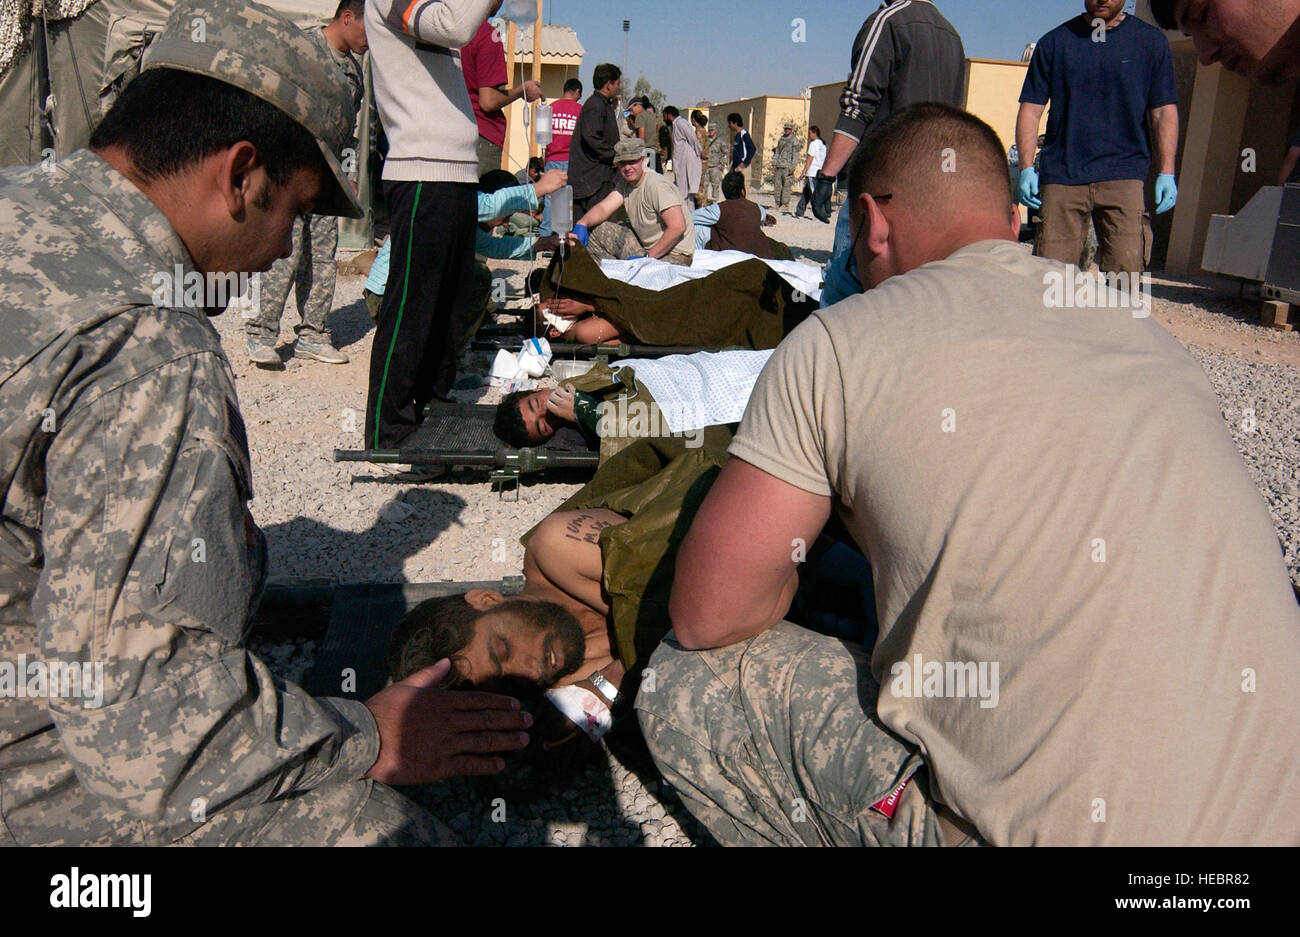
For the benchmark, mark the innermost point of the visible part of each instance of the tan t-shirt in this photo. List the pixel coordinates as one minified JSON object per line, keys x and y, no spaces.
{"x":1051,"y":491}
{"x":643,"y":203}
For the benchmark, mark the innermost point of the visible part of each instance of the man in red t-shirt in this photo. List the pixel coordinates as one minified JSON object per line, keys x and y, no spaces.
{"x":564,"y":117}
{"x":483,"y":63}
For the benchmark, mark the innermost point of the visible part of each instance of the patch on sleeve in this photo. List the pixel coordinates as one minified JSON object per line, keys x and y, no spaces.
{"x":236,"y":440}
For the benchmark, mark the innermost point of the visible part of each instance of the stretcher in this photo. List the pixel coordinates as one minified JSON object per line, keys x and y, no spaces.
{"x":460,"y":434}
{"x":562,"y":350}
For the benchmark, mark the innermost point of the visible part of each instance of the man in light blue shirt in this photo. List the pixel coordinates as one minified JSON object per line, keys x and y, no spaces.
{"x":498,"y":198}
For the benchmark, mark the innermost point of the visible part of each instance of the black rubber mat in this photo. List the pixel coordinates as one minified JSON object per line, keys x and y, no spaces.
{"x":462,"y":427}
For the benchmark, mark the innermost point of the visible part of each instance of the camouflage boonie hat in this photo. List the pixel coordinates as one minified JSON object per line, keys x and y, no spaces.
{"x":630,"y":150}
{"x":258,"y":50}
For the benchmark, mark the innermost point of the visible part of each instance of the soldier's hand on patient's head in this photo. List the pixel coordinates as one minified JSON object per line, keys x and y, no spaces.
{"x":561,"y":402}
{"x":427,"y":733}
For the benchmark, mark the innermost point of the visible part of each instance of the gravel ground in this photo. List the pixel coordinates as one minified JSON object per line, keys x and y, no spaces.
{"x":339,"y":521}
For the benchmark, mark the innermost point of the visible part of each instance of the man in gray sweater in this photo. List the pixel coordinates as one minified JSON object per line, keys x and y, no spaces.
{"x":430,"y":177}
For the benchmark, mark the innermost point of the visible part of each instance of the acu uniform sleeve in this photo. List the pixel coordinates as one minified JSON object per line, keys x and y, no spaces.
{"x":153,"y":566}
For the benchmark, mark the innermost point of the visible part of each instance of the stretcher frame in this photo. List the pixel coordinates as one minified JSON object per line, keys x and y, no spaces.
{"x":508,"y":464}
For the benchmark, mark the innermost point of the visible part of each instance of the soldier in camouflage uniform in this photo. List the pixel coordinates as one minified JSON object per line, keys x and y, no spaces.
{"x":125,"y":535}
{"x":719,"y":159}
{"x":310,"y":268}
{"x":783,"y":165}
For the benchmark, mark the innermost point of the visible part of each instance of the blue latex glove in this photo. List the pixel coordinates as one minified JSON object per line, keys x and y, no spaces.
{"x":636,"y":257}
{"x":1166,"y":192}
{"x":581,"y":233}
{"x":1027,"y":188}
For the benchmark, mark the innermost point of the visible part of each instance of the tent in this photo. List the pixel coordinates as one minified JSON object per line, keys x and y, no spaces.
{"x":63,"y":63}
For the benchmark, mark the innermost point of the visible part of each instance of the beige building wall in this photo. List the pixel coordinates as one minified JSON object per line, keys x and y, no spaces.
{"x":824,"y":108}
{"x":764,"y":117}
{"x":993,"y":95}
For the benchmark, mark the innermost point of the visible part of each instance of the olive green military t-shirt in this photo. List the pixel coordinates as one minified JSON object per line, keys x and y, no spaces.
{"x":1085,"y":621}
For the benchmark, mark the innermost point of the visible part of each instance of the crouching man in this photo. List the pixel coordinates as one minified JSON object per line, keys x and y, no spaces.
{"x":660,"y":224}
{"x":126,"y":541}
{"x":1087,"y":633}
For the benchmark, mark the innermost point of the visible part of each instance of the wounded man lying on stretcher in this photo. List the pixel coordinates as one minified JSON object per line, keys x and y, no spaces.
{"x":554,"y":635}
{"x":636,"y":398}
{"x":597,"y":576}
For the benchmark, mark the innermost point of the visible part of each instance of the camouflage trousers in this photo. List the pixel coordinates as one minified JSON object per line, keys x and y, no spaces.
{"x":782,"y":186}
{"x":712,"y":186}
{"x":311,"y":269}
{"x":775,"y":741}
{"x":358,"y":813}
{"x":610,"y":240}
{"x":480,"y":303}
{"x":522,"y":225}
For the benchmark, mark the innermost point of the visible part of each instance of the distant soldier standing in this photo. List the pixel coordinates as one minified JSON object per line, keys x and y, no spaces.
{"x":316,"y":238}
{"x":719,"y":160}
{"x":783,"y":165}
{"x":126,"y":543}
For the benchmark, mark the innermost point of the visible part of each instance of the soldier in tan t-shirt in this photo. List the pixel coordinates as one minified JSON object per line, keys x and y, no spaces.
{"x":1087,"y":633}
{"x":660,"y":225}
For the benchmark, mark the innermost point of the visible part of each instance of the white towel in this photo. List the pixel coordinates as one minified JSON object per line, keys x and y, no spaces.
{"x":701,"y":389}
{"x":652,"y":274}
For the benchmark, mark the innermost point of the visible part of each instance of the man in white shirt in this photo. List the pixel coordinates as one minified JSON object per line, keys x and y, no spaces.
{"x":811,"y":166}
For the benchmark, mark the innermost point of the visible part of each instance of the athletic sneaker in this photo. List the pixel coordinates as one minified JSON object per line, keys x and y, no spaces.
{"x":262,"y":355}
{"x":320,"y":351}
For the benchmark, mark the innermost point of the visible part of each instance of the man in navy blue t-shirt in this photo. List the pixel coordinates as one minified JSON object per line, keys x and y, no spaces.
{"x":1105,"y":74}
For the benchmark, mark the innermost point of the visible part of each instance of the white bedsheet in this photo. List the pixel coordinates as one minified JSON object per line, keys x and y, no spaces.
{"x":701,"y":389}
{"x":652,"y":274}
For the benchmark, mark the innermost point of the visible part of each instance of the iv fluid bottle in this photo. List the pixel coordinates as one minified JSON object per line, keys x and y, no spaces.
{"x":522,"y":12}
{"x":542,"y":125}
{"x":562,"y":210}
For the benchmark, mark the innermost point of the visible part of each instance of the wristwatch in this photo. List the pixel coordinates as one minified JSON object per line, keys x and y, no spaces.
{"x":607,"y":689}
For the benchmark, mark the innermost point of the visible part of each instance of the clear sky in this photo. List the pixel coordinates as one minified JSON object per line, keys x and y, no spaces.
{"x":720,"y":50}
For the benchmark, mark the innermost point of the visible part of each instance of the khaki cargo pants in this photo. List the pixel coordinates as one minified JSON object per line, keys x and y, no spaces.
{"x":1118,"y":212}
{"x":775,"y":741}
